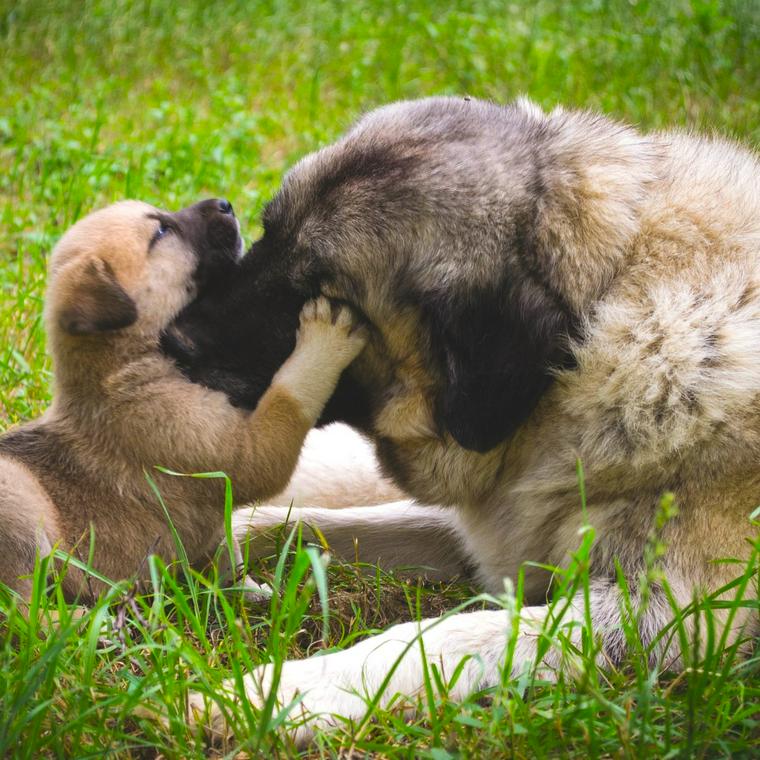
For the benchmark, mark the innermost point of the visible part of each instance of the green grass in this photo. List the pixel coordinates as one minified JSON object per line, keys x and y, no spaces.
{"x":173,"y":102}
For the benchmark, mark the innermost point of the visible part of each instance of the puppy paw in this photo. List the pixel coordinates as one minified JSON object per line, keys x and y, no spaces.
{"x":329,"y":338}
{"x":331,"y":328}
{"x":255,"y":593}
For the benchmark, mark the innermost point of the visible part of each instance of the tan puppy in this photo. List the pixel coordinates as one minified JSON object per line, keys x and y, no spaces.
{"x":117,"y":278}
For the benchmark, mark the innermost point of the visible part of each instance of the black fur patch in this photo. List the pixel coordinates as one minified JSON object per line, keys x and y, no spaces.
{"x":495,"y":350}
{"x":242,"y":327}
{"x":212,"y":233}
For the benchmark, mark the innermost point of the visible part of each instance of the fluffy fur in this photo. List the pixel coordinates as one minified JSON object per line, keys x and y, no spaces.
{"x":117,"y":279}
{"x":541,"y":288}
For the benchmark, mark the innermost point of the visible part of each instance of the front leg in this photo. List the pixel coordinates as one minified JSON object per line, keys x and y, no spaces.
{"x":468,"y":650}
{"x":258,"y":450}
{"x":388,"y":670}
{"x":276,"y":429}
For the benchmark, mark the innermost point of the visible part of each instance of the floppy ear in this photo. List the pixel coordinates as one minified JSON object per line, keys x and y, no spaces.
{"x":495,"y":351}
{"x":94,"y":301}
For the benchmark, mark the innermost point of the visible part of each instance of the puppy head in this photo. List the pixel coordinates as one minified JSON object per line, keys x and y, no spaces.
{"x":128,"y":269}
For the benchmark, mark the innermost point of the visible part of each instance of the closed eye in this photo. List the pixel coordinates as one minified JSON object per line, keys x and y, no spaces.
{"x":163,"y":229}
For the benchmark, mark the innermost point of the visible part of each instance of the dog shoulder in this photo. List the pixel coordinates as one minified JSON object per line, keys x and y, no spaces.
{"x":667,"y":357}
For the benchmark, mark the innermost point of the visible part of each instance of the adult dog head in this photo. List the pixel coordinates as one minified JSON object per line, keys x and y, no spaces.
{"x":473,"y":237}
{"x":488,"y":247}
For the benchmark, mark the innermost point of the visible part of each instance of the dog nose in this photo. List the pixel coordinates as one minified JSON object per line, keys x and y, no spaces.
{"x":225,"y":207}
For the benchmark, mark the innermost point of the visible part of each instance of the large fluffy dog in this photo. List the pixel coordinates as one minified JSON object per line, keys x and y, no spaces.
{"x":541,"y":288}
{"x":117,"y":279}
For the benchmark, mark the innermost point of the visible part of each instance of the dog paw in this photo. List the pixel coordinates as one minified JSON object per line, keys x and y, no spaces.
{"x":255,"y":593}
{"x":314,"y":697}
{"x":329,"y":338}
{"x":331,"y":328}
{"x":205,"y":713}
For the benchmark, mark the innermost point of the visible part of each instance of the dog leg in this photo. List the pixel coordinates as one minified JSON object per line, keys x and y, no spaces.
{"x":258,"y":450}
{"x":467,"y":649}
{"x":387,"y":669}
{"x":396,"y":535}
{"x":337,"y":468}
{"x":28,"y":526}
{"x":292,"y":404}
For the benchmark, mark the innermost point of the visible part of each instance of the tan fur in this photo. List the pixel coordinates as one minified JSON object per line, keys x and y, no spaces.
{"x":664,"y":396}
{"x":120,"y":408}
{"x":653,"y":243}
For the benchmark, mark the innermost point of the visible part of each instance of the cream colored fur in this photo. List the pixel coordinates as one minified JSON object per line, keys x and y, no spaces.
{"x":656,"y":244}
{"x":337,"y":468}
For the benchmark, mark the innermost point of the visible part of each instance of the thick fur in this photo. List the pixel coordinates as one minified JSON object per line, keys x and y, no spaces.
{"x":541,"y":288}
{"x":117,"y":279}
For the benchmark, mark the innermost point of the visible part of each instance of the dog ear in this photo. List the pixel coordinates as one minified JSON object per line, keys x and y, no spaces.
{"x":495,"y":351}
{"x":94,"y":301}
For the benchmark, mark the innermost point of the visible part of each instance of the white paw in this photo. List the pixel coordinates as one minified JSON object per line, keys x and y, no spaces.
{"x":255,"y":593}
{"x":320,"y":693}
{"x":332,"y":328}
{"x":328,"y":340}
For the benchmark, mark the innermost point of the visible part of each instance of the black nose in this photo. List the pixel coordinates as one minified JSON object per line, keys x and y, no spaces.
{"x":225,"y":207}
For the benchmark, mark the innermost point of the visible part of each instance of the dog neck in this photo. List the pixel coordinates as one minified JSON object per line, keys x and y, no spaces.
{"x":82,"y":364}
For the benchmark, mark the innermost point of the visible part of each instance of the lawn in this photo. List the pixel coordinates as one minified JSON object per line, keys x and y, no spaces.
{"x":173,"y":102}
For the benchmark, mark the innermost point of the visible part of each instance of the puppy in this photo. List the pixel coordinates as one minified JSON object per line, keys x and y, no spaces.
{"x":540,"y":288}
{"x":117,"y":279}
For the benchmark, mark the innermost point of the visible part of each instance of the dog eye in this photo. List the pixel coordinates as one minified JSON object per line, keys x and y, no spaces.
{"x":163,"y":228}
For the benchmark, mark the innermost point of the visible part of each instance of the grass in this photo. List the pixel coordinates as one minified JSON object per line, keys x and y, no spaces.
{"x":173,"y":102}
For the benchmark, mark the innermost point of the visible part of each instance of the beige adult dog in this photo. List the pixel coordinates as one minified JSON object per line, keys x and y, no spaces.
{"x":541,"y":288}
{"x":117,"y":279}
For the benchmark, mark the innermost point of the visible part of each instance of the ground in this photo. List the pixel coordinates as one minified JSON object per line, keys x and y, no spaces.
{"x":173,"y":102}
